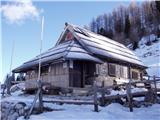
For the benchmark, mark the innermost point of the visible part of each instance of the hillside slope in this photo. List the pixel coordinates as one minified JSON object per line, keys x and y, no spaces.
{"x":149,"y":53}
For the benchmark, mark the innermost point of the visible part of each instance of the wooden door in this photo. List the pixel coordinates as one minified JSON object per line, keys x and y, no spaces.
{"x":76,"y":78}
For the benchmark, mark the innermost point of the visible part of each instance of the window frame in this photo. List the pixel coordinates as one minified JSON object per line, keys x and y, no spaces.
{"x":109,"y":72}
{"x":136,"y":73}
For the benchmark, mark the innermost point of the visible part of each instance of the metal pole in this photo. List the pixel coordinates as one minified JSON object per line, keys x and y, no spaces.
{"x":10,"y":70}
{"x":39,"y":70}
{"x":39,"y":94}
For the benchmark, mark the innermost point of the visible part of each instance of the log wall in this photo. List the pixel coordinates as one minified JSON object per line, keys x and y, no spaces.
{"x":103,"y":74}
{"x":56,"y":75}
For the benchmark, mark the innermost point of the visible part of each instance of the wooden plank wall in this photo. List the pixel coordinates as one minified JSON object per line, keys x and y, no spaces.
{"x":57,"y":76}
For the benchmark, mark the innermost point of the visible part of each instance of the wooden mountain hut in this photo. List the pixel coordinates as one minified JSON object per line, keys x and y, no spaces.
{"x":80,"y":57}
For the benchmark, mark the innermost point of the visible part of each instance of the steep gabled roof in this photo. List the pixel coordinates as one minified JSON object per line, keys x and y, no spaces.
{"x":105,"y":48}
{"x":86,"y":45}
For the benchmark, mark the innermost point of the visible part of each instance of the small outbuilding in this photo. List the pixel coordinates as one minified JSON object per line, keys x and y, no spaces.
{"x":80,"y":57}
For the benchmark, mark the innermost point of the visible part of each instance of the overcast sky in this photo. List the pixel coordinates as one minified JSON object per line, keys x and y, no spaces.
{"x":21,"y":25}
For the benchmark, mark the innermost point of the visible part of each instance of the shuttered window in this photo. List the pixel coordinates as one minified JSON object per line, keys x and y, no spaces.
{"x":123,"y":72}
{"x":117,"y":70}
{"x":135,"y":75}
{"x":112,"y":69}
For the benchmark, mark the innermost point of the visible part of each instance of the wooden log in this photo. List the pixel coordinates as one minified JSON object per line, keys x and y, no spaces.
{"x":77,"y":102}
{"x":95,"y":97}
{"x":129,"y":97}
{"x":155,"y":85}
{"x":17,"y":82}
{"x":37,"y":96}
{"x":124,"y":84}
{"x":150,"y":96}
{"x":40,"y":96}
{"x":32,"y":106}
{"x":135,"y":94}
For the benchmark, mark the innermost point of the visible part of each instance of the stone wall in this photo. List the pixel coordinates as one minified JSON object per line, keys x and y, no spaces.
{"x":11,"y":110}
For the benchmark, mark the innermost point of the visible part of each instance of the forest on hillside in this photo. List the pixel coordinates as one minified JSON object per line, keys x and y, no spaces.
{"x":129,"y":24}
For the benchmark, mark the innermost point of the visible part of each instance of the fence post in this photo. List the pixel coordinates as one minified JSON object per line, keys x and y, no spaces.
{"x":129,"y":97}
{"x":40,"y":99}
{"x":95,"y":97}
{"x":155,"y":85}
{"x":103,"y":94}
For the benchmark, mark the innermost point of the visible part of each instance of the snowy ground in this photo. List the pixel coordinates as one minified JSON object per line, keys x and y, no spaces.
{"x":79,"y":112}
{"x":150,"y":55}
{"x":111,"y":112}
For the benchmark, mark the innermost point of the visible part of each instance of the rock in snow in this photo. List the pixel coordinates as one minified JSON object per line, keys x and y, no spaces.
{"x":12,"y":110}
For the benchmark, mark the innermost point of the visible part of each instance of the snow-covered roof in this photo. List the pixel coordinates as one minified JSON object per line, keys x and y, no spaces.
{"x":106,"y":47}
{"x":86,"y":45}
{"x":65,"y":51}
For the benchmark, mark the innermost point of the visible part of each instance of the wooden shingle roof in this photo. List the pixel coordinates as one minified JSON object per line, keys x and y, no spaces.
{"x":106,"y":48}
{"x":70,"y":50}
{"x":86,"y":45}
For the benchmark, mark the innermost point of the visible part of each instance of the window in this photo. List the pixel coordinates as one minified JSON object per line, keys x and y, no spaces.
{"x":112,"y":69}
{"x":135,"y":75}
{"x":123,"y":72}
{"x":65,"y":65}
{"x":44,"y":70}
{"x":97,"y":69}
{"x":71,"y":64}
{"x":57,"y":69}
{"x":103,"y":69}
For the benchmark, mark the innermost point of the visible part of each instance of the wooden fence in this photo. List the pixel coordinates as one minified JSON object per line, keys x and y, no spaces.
{"x":152,"y":81}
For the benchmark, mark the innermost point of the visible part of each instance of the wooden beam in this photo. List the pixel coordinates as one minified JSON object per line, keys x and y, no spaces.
{"x":83,"y":72}
{"x":77,"y":102}
{"x":155,"y":85}
{"x":95,"y":97}
{"x":128,"y":87}
{"x":103,"y":95}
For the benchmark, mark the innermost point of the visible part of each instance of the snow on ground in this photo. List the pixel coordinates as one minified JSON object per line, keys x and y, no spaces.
{"x":79,"y":112}
{"x":111,"y":112}
{"x":150,"y":55}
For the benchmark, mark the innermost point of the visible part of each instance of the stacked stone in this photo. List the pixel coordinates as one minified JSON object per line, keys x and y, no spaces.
{"x":11,"y":111}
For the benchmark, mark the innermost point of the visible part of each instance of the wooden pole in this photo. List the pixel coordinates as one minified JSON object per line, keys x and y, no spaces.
{"x":83,"y":72}
{"x":129,"y":96}
{"x":103,"y":95}
{"x":12,"y":52}
{"x":39,"y":94}
{"x":155,"y":85}
{"x":32,"y":106}
{"x":95,"y":97}
{"x":39,"y":71}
